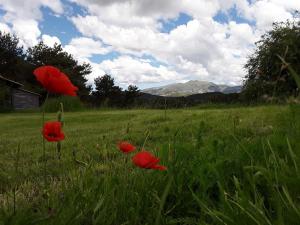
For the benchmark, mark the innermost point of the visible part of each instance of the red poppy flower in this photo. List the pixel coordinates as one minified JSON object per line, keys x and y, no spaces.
{"x":54,"y":80}
{"x":146,"y":160}
{"x":52,"y":131}
{"x":126,"y":147}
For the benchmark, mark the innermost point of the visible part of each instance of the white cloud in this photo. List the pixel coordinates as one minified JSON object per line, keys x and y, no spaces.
{"x":266,"y":12}
{"x":241,"y":34}
{"x":128,"y":70}
{"x":28,"y":9}
{"x":199,"y":43}
{"x":189,"y":68}
{"x":27,"y":31}
{"x":202,"y":48}
{"x":83,"y":48}
{"x":50,"y":40}
{"x":24,"y":15}
{"x":5,"y":28}
{"x":119,"y":13}
{"x":96,"y":72}
{"x":147,"y":12}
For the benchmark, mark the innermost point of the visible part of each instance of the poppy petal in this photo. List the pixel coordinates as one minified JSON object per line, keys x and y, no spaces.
{"x":54,"y":81}
{"x":146,"y":160}
{"x":52,"y":131}
{"x":126,"y":147}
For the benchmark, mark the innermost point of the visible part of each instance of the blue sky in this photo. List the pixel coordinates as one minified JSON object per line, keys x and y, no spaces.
{"x":59,"y":26}
{"x":170,"y":24}
{"x":150,"y":43}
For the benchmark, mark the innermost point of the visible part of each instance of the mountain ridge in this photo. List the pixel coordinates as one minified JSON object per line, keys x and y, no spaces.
{"x":191,"y":87}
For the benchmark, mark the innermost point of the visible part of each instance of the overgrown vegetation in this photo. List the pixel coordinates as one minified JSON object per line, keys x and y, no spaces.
{"x":225,"y":166}
{"x":4,"y":93}
{"x":268,"y":77}
{"x":70,"y":104}
{"x":107,"y":93}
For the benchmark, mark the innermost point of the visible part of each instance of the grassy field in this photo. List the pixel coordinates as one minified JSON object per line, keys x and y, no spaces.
{"x":225,"y":166}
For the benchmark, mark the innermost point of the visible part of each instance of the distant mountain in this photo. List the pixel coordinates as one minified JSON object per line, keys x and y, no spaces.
{"x":190,"y":88}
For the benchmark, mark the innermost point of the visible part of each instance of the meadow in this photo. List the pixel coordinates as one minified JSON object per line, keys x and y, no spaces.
{"x":236,"y":165}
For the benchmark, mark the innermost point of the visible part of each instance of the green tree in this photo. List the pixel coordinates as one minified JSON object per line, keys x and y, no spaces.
{"x":42,"y":54}
{"x":131,"y":94}
{"x":266,"y":73}
{"x":106,"y":92}
{"x":11,"y":57}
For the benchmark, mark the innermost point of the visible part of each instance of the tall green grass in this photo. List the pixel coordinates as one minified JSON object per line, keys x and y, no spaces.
{"x":225,"y":166}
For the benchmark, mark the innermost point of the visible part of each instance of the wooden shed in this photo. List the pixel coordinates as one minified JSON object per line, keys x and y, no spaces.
{"x":14,"y":96}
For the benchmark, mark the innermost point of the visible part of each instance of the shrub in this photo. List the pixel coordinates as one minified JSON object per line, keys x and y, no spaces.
{"x":70,"y":104}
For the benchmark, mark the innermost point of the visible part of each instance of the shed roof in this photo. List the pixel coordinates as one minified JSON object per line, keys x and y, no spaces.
{"x":11,"y":81}
{"x":17,"y":84}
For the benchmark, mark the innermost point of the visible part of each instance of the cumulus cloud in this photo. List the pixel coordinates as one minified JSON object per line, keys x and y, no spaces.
{"x":83,"y":48}
{"x":266,"y":12}
{"x":50,"y":40}
{"x":203,"y":43}
{"x":96,"y":72}
{"x":203,"y":48}
{"x":29,"y":9}
{"x":27,"y":31}
{"x":129,"y":70}
{"x":24,"y":17}
{"x":5,"y":28}
{"x":147,"y":12}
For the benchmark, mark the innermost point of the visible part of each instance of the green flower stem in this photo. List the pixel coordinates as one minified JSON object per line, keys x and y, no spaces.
{"x":44,"y":143}
{"x":60,"y":118}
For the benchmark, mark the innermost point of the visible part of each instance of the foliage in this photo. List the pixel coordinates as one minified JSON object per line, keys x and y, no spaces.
{"x":131,"y":94}
{"x":4,"y":98}
{"x":71,"y":104}
{"x":106,"y":92}
{"x":11,"y":57}
{"x":225,"y":166}
{"x":266,"y":73}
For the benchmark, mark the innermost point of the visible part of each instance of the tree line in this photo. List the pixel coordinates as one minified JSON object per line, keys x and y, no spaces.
{"x":106,"y":93}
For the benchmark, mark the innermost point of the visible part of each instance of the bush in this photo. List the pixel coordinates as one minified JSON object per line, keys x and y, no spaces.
{"x":70,"y":104}
{"x":267,"y":74}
